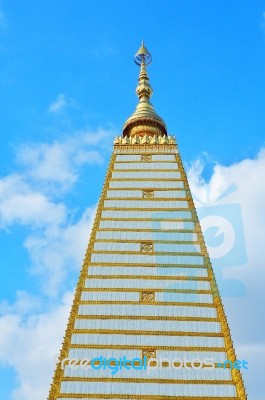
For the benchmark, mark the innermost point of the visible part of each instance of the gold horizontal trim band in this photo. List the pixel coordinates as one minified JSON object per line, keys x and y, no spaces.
{"x":146,"y":162}
{"x":146,"y":179}
{"x":156,"y":189}
{"x":155,"y":303}
{"x":119,"y":265}
{"x":151,"y":277}
{"x":148,"y":170}
{"x":146,"y":290}
{"x":150,"y":219}
{"x":154,"y":199}
{"x":148,"y":265}
{"x":153,"y":150}
{"x":147,"y":230}
{"x":153,"y":333}
{"x":138,"y":397}
{"x":146,"y":209}
{"x":138,"y":347}
{"x":146,"y":317}
{"x":156,"y":253}
{"x":149,"y":380}
{"x":174,"y":241}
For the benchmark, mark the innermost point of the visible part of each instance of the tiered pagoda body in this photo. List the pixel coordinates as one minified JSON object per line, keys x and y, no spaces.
{"x":147,"y":287}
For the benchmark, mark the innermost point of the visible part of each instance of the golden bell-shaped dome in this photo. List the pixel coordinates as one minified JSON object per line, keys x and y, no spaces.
{"x":145,"y":120}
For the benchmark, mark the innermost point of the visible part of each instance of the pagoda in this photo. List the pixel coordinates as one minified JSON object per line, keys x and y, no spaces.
{"x":147,"y":290}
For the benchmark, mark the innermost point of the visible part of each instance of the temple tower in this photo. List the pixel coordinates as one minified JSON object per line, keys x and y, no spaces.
{"x":147,"y":288}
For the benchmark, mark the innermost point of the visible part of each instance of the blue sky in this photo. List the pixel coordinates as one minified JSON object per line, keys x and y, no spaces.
{"x":67,"y":81}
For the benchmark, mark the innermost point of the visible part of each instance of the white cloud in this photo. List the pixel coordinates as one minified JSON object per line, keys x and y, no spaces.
{"x":19,"y":203}
{"x":54,"y":240}
{"x":58,"y":104}
{"x":30,"y":347}
{"x":30,"y":335}
{"x":59,"y":162}
{"x":245,"y":314}
{"x":58,"y":251}
{"x":25,"y":303}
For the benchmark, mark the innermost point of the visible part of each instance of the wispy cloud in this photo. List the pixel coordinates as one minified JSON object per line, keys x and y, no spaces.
{"x":58,"y":105}
{"x":59,"y":248}
{"x":20,"y":203}
{"x":58,"y":163}
{"x":47,"y":171}
{"x":30,"y":345}
{"x":248,"y":177}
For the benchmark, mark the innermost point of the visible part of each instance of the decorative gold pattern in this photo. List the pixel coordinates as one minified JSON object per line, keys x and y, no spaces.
{"x":138,"y":149}
{"x":147,"y":297}
{"x":139,"y":138}
{"x":148,"y":194}
{"x":146,"y":157}
{"x":149,"y":353}
{"x":146,"y":247}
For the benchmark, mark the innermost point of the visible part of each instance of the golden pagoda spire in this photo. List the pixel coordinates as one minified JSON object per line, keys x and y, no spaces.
{"x":145,"y":120}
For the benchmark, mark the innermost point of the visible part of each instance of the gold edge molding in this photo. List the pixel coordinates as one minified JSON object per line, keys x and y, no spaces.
{"x":118,"y":265}
{"x":151,"y":188}
{"x":93,"y":264}
{"x":158,"y":381}
{"x":231,"y":355}
{"x":156,"y":253}
{"x":139,"y":347}
{"x":146,"y":240}
{"x":147,"y":162}
{"x":148,"y":219}
{"x":192,"y":231}
{"x":121,"y":290}
{"x":146,"y":180}
{"x":147,"y":169}
{"x":144,"y":333}
{"x":153,"y":199}
{"x":137,"y":397}
{"x":155,"y":303}
{"x":147,"y":317}
{"x":54,"y":392}
{"x":150,"y":277}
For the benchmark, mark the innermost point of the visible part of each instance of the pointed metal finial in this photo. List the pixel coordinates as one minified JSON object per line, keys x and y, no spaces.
{"x":142,"y":56}
{"x":145,"y":119}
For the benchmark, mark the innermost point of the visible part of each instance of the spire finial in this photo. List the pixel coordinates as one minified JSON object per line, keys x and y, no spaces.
{"x":142,"y":56}
{"x":144,"y":120}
